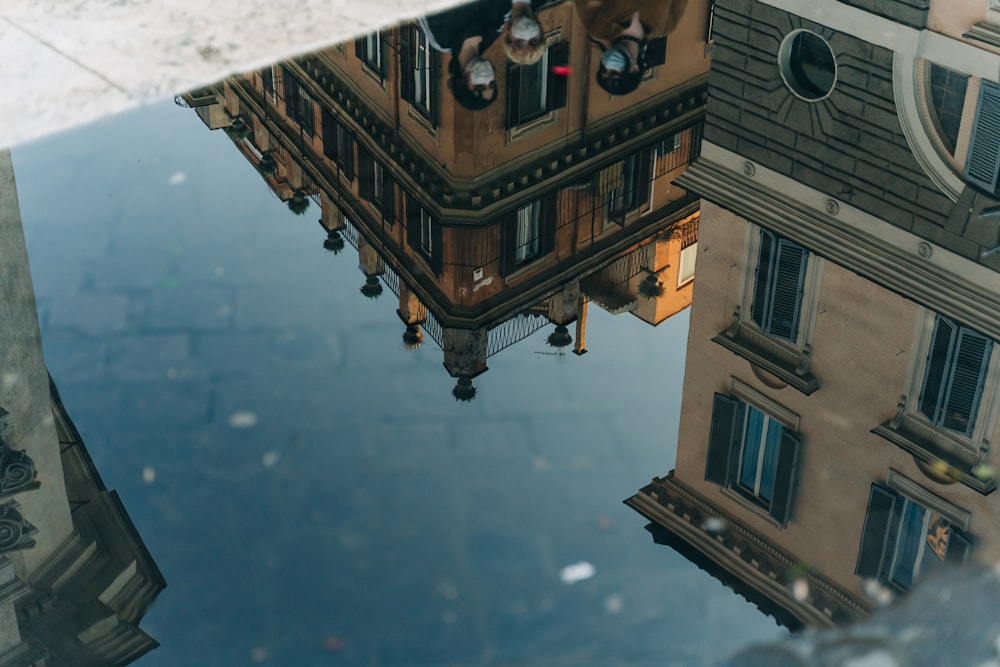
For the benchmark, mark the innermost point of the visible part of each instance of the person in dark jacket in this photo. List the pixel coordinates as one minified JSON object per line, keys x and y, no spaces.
{"x":466,"y":32}
{"x":622,"y":28}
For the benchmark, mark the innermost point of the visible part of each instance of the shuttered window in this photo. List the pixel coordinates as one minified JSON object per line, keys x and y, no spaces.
{"x":420,"y":72}
{"x":423,"y":233}
{"x":529,"y":233}
{"x":983,"y":162}
{"x":536,"y":89}
{"x":751,"y":452}
{"x":368,"y":49}
{"x":957,"y":362}
{"x":779,"y":282}
{"x":338,"y":144}
{"x":903,"y":540}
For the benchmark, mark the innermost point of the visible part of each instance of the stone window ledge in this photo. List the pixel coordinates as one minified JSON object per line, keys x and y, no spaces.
{"x":930,"y":446}
{"x":789,"y":365}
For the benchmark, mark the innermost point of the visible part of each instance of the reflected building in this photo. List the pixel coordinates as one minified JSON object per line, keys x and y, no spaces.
{"x":75,"y":576}
{"x":487,"y":225}
{"x":841,"y":395}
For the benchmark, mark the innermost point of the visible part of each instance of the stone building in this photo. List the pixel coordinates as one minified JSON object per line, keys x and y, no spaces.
{"x":486,"y":224}
{"x":75,"y":576}
{"x":841,"y":394}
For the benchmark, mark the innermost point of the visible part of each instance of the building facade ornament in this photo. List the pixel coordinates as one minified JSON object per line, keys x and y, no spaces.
{"x":15,"y":531}
{"x":17,"y":471}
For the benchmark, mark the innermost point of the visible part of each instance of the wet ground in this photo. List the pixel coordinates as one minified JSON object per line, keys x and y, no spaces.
{"x":311,"y":491}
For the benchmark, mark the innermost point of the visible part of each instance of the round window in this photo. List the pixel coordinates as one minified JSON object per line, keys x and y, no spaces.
{"x":807,"y":65}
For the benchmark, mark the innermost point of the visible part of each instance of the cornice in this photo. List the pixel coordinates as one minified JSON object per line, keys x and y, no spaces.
{"x":739,"y":550}
{"x":492,"y":311}
{"x":520,"y":179}
{"x":891,"y":257}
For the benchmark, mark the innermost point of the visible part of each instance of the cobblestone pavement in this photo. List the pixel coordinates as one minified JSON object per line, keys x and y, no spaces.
{"x":311,"y":491}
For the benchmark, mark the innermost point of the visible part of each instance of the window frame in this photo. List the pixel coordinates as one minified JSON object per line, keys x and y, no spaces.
{"x":787,"y":361}
{"x":727,"y":444}
{"x":554,"y":89}
{"x":369,"y":50}
{"x":881,"y":547}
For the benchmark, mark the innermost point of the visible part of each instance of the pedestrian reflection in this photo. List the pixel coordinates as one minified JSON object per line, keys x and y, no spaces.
{"x":622,"y":31}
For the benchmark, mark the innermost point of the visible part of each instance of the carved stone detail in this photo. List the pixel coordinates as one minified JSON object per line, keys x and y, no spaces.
{"x":15,"y":531}
{"x":17,"y":471}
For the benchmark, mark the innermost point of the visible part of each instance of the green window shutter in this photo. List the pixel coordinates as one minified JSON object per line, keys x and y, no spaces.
{"x":938,"y":362}
{"x":877,"y":536}
{"x":983,"y":162}
{"x":366,"y":174}
{"x":762,"y":277}
{"x":961,"y":402}
{"x":508,"y":242}
{"x":407,"y":41}
{"x":434,"y":96}
{"x":785,"y":478}
{"x":727,"y":421}
{"x":388,"y":197}
{"x":513,"y":95}
{"x":412,"y":214}
{"x":329,"y":128}
{"x":786,"y":292}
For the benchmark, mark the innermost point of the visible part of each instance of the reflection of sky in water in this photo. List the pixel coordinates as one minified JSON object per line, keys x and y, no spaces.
{"x":299,"y":477}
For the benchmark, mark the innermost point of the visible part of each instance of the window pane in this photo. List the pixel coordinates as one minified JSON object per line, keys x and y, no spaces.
{"x":911,"y":536}
{"x":750,"y":458}
{"x":531,"y":100}
{"x":769,"y":463}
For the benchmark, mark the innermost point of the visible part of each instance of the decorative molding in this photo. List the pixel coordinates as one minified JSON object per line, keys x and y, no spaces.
{"x":607,"y":142}
{"x":746,"y":554}
{"x":15,"y":531}
{"x":748,"y":394}
{"x":17,"y":471}
{"x":911,"y":104}
{"x":933,"y":448}
{"x":855,"y":240}
{"x":791,"y":367}
{"x":958,"y":516}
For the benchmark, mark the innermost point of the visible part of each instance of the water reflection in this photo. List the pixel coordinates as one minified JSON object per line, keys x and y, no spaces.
{"x":486,"y":226}
{"x":75,"y":575}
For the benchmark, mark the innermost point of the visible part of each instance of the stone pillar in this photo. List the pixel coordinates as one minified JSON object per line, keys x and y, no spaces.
{"x":465,"y":352}
{"x":564,"y":305}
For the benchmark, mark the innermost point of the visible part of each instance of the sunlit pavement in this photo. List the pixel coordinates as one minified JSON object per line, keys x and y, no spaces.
{"x":68,"y":63}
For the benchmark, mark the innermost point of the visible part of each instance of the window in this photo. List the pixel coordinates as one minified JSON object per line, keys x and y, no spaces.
{"x":338,"y":144}
{"x":903,"y":540}
{"x":423,"y":233}
{"x":376,"y":184}
{"x":299,"y":106}
{"x":269,"y":78}
{"x":533,"y":91}
{"x":624,"y":186}
{"x":419,"y":72}
{"x":528,"y":230}
{"x":685,"y":273}
{"x":807,"y":65}
{"x":369,"y":50}
{"x":952,"y":387}
{"x":779,"y":281}
{"x":753,"y":453}
{"x":948,"y":408}
{"x":772,"y":325}
{"x":529,"y":233}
